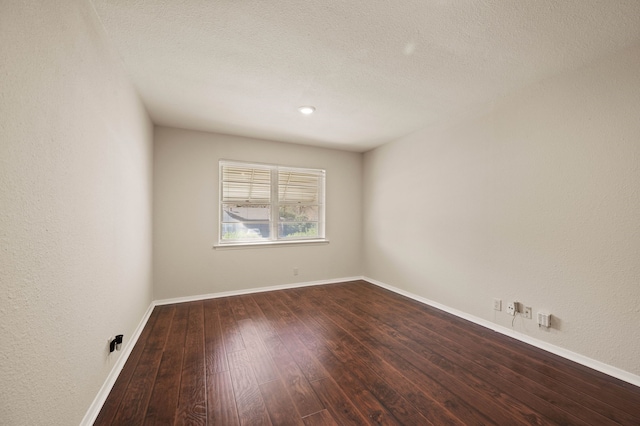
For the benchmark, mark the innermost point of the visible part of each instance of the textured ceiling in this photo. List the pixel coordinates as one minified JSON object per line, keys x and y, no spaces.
{"x":375,"y":70}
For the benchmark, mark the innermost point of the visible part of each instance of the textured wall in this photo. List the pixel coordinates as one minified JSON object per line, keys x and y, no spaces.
{"x":75,"y":196}
{"x":537,"y":201}
{"x":186,"y":213}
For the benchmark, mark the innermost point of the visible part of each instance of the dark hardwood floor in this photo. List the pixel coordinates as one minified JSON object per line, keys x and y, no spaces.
{"x":344,"y":354}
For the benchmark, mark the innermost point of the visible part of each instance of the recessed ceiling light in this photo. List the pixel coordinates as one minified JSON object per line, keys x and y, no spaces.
{"x":306,"y":109}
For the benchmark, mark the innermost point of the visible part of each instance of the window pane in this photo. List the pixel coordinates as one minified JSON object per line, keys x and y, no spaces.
{"x":298,"y":213}
{"x":244,"y":231}
{"x":245,"y":221}
{"x":253,"y":196}
{"x":295,"y":230}
{"x":246,"y":212}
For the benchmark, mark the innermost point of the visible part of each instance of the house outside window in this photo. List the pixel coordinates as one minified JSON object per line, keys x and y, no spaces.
{"x":264,"y":203}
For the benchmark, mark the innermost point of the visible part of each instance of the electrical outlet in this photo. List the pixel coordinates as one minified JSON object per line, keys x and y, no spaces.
{"x":512,"y":308}
{"x":497,"y":304}
{"x":526,"y":312}
{"x":544,"y":320}
{"x":295,"y":271}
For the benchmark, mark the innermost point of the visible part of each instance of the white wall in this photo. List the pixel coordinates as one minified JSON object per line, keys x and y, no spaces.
{"x":75,"y":196}
{"x":537,"y":201}
{"x":185,"y":227}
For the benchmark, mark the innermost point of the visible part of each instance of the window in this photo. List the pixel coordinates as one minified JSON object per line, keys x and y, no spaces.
{"x":261,"y":203}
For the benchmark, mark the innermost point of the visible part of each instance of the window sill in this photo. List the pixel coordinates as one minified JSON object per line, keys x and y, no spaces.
{"x":261,"y":244}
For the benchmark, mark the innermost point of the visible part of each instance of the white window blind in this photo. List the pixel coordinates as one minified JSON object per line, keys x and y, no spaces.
{"x":262,"y":203}
{"x":246,"y":184}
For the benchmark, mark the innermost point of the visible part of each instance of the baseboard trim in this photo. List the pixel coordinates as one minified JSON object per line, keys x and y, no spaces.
{"x":101,"y":397}
{"x":103,"y":393}
{"x":252,"y":290}
{"x":557,"y":350}
{"x":95,"y":407}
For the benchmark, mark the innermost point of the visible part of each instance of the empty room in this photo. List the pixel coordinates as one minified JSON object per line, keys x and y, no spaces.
{"x":406,"y":212}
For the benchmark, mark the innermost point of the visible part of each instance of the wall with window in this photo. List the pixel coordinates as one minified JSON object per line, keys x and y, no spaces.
{"x":75,"y":210}
{"x":186,"y":214}
{"x":537,"y":201}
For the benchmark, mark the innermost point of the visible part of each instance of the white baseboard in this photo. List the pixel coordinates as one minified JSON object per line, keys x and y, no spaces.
{"x":103,"y":393}
{"x":572,"y":356}
{"x":252,"y":290}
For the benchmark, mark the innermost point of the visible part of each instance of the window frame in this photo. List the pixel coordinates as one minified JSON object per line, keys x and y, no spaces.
{"x":274,"y":204}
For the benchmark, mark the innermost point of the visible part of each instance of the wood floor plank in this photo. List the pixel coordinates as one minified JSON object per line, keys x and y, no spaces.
{"x":467,"y":354}
{"x":230,"y":332}
{"x":337,"y":403}
{"x":281,"y":408}
{"x":133,"y":410}
{"x":262,"y":324}
{"x":420,"y":338}
{"x":192,"y":405}
{"x":456,"y":387}
{"x":621,"y":395}
{"x":294,"y":381}
{"x":221,"y":403}
{"x":398,"y":406}
{"x":263,"y":367}
{"x":529,"y":367}
{"x":348,"y":353}
{"x":237,"y":307}
{"x":215,"y":354}
{"x":620,"y":392}
{"x":163,"y":403}
{"x":440,"y":404}
{"x":358,"y":393}
{"x":622,"y":402}
{"x":309,"y":366}
{"x":492,"y":398}
{"x":119,"y":390}
{"x":321,"y":418}
{"x":251,"y":407}
{"x":431,"y":409}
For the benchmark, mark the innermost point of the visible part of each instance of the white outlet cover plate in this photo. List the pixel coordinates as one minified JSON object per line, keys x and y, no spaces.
{"x":497,"y":304}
